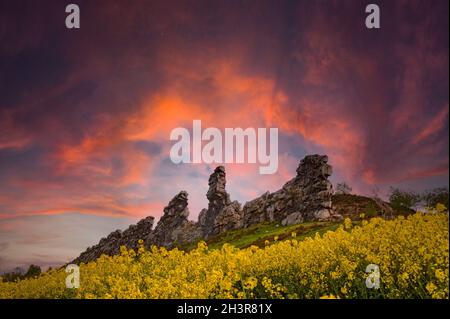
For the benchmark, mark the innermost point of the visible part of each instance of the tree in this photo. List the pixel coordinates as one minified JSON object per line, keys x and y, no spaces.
{"x":18,"y":274}
{"x":33,"y":271}
{"x":13,"y":276}
{"x":401,"y":199}
{"x":436,"y":196}
{"x":343,"y":188}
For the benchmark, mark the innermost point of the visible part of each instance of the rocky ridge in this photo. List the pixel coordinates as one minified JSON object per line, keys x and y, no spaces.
{"x":111,"y":244}
{"x":306,"y":197}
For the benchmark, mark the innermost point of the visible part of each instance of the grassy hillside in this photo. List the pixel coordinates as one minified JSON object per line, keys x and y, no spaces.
{"x":355,"y":207}
{"x":258,"y":234}
{"x":348,"y":205}
{"x":411,"y":254}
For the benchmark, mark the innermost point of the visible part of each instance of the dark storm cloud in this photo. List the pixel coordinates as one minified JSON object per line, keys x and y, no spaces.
{"x":85,"y":115}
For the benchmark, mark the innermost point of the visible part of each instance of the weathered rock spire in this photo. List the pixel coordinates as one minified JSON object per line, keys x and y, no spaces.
{"x":222,"y":214}
{"x":173,"y":223}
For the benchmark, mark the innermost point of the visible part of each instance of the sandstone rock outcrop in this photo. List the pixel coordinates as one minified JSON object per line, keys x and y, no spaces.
{"x":111,"y":244}
{"x":174,"y":228}
{"x":306,"y":197}
{"x":292,"y":219}
{"x":222,"y":214}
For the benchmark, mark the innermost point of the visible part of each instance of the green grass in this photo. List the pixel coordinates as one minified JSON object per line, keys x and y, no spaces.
{"x":258,"y":234}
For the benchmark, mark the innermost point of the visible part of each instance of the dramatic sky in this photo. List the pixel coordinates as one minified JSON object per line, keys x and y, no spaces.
{"x":85,"y":115}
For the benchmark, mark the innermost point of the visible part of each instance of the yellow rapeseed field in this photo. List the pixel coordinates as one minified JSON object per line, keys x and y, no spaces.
{"x":412,"y":254}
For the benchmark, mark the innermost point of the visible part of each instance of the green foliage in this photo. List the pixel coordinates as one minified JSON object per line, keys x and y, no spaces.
{"x":436,"y":196}
{"x":401,"y":199}
{"x":33,"y":271}
{"x":16,"y":275}
{"x":371,"y":210}
{"x":12,"y":276}
{"x":258,"y":234}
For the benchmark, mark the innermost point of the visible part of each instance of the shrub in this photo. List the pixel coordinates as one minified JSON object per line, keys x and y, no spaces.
{"x":401,"y":199}
{"x":436,"y":196}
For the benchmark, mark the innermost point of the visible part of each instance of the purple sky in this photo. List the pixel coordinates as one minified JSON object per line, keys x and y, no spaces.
{"x":85,"y":115}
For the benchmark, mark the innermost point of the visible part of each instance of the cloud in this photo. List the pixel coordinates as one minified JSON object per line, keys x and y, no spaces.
{"x":85,"y":116}
{"x":102,"y":119}
{"x":3,"y":246}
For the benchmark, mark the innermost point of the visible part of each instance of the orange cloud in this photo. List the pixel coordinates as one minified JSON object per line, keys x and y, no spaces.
{"x":11,"y":135}
{"x":434,"y":126}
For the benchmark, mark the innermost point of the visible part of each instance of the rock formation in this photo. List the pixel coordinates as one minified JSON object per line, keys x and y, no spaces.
{"x":174,"y":228}
{"x":222,"y":214}
{"x":111,"y":244}
{"x":306,"y":197}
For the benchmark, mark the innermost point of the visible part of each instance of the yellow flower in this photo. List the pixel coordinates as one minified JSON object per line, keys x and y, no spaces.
{"x":410,"y":252}
{"x":431,"y":287}
{"x":347,"y":223}
{"x":441,"y":207}
{"x":329,"y":297}
{"x":440,"y":275}
{"x":250,"y":283}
